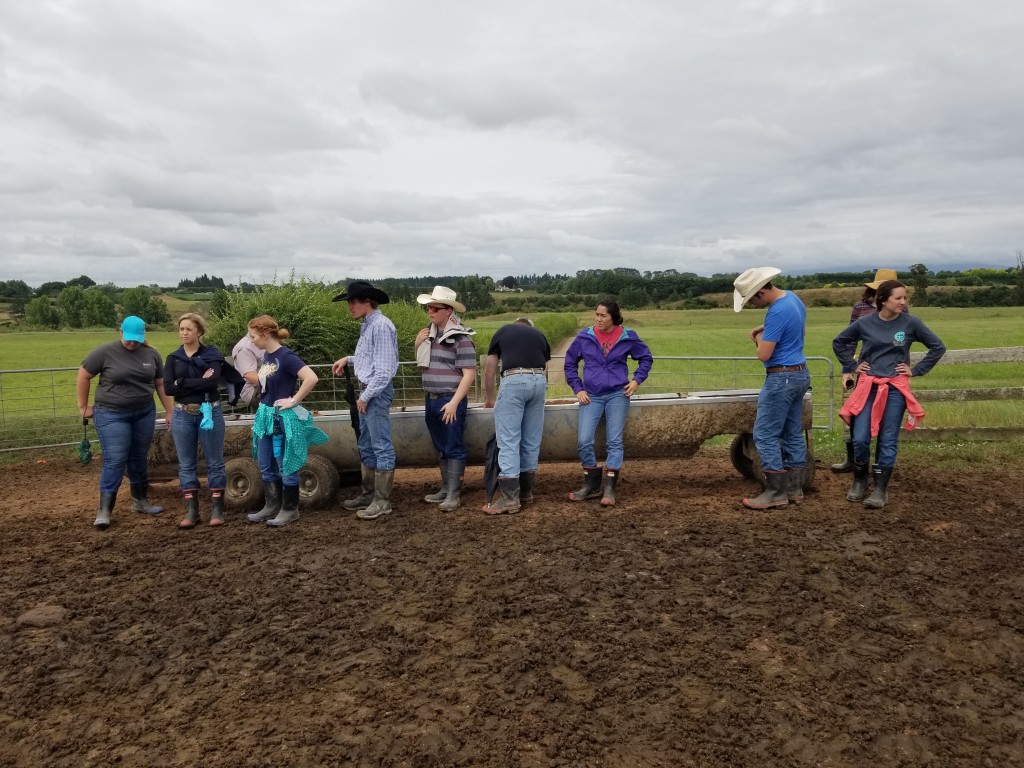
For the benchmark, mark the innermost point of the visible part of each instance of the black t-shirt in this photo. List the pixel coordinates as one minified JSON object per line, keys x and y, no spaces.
{"x":520,"y":346}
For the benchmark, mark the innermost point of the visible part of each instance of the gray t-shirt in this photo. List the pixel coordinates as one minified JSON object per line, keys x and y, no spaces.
{"x":127,"y":377}
{"x":884,"y":343}
{"x":247,"y":357}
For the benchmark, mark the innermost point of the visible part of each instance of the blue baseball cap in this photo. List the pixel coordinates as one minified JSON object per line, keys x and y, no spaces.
{"x":133,"y":329}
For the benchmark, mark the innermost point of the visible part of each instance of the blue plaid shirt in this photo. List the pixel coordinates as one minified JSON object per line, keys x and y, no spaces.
{"x":375,"y":361}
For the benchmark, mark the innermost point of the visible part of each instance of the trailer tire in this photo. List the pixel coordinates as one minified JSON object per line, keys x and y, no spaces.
{"x":318,"y":482}
{"x":747,"y":461}
{"x":244,"y":488}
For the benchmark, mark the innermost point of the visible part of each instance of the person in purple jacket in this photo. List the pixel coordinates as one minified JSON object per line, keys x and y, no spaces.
{"x":604,"y":390}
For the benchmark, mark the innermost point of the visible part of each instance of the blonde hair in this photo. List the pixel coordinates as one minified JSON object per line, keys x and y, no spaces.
{"x":267,"y":324}
{"x":198,"y":320}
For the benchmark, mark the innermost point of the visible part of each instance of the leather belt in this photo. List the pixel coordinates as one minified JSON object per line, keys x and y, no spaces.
{"x":438,"y":395}
{"x":784,"y":368}
{"x":514,"y":371}
{"x":193,"y":408}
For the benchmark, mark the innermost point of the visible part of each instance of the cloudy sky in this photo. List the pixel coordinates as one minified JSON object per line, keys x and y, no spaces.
{"x":145,"y":141}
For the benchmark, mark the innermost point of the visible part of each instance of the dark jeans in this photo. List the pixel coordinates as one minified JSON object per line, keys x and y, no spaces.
{"x":125,"y":437}
{"x":888,"y":431}
{"x":447,"y":438}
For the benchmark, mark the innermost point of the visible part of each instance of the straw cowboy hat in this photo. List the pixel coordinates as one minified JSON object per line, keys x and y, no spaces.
{"x":442,"y":295}
{"x":749,"y":283}
{"x":880,"y":277}
{"x":360,"y":289}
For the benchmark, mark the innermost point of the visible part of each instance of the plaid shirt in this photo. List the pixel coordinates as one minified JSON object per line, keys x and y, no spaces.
{"x":376,"y":357}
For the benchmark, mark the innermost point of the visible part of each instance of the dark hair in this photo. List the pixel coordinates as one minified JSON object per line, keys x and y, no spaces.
{"x":868,"y":297}
{"x":885,"y":291}
{"x":613,"y":310}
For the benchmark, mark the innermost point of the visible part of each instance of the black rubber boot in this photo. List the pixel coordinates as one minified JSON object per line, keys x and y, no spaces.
{"x":289,"y":507}
{"x":106,"y":510}
{"x":272,"y":505}
{"x":437,"y":498}
{"x":880,"y":495}
{"x":611,"y":479}
{"x":216,"y":506}
{"x":507,"y":500}
{"x":845,"y":466}
{"x":383,"y":482}
{"x":860,"y":483}
{"x":591,"y":485}
{"x":795,"y":485}
{"x":191,"y":508}
{"x":139,"y":502}
{"x":365,"y":497}
{"x":526,"y":488}
{"x":774,"y":495}
{"x":456,"y":473}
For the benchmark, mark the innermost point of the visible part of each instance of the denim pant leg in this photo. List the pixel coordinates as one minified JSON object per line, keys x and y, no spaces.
{"x":376,"y":449}
{"x":860,"y":432}
{"x":773,"y":408}
{"x":589,"y":418}
{"x":212,"y":441}
{"x":889,"y":430}
{"x":794,"y":445}
{"x":447,"y":438}
{"x":269,"y":469}
{"x":185,"y":431}
{"x":616,"y":408}
{"x":508,"y":423}
{"x":532,"y":430}
{"x":143,"y":427}
{"x":115,"y":433}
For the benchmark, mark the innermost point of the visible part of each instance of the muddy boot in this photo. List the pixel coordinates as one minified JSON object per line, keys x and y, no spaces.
{"x":880,"y":495}
{"x":139,"y":502}
{"x":383,"y":481}
{"x":591,"y":485}
{"x":106,"y":510}
{"x":289,"y":507}
{"x":272,"y":505}
{"x":774,"y":495}
{"x":526,"y":488}
{"x":216,"y":506}
{"x":456,"y":471}
{"x":611,"y":479}
{"x":860,"y":483}
{"x":191,"y":496}
{"x":845,"y":466}
{"x":365,"y":498}
{"x":437,"y":498}
{"x":795,"y":485}
{"x":507,"y":500}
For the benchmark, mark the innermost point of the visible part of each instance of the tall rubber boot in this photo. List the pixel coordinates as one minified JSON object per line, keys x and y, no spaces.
{"x":216,"y":506}
{"x":880,"y":495}
{"x":191,"y":496}
{"x":845,"y":466}
{"x":272,"y":505}
{"x":774,"y":495}
{"x":289,"y":507}
{"x":383,"y":481}
{"x":591,"y":485}
{"x":456,"y":472}
{"x":611,"y":479}
{"x":526,"y":488}
{"x":365,"y":497}
{"x":139,"y":502}
{"x":507,"y":501}
{"x":437,"y":498}
{"x":860,"y":483}
{"x":106,"y":510}
{"x":795,"y":485}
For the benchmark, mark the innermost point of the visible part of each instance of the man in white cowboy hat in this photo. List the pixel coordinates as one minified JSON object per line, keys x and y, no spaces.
{"x":778,"y":428}
{"x":447,"y":358}
{"x":374,"y":363}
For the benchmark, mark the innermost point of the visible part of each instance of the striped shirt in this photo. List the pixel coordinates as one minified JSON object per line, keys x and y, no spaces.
{"x":448,"y":358}
{"x":375,"y":361}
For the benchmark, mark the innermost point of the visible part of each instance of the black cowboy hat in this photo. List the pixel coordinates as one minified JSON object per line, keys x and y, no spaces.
{"x":360,"y":289}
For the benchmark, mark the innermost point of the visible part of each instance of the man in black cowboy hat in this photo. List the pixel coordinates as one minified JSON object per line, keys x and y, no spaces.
{"x":375,"y":363}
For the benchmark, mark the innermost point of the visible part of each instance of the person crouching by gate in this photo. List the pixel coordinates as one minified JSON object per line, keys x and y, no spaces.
{"x":882,"y":392}
{"x":518,"y":409}
{"x":191,"y":376}
{"x":446,"y":356}
{"x":130,"y":372}
{"x":778,"y":426}
{"x":604,"y":391}
{"x":375,"y":363}
{"x":279,"y":460}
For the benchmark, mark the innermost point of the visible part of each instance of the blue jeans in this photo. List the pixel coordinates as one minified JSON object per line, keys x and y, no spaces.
{"x":376,"y":450}
{"x":778,"y":428}
{"x":187,"y":435}
{"x":270,"y":467}
{"x":888,"y":431}
{"x":447,"y":438}
{"x":614,"y":406}
{"x":125,"y":437}
{"x":519,"y":422}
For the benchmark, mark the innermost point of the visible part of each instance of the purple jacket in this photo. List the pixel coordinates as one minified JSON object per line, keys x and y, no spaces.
{"x":605,"y":374}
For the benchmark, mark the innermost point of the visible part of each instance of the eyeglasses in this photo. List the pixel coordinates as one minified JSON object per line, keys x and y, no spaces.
{"x":432,"y":308}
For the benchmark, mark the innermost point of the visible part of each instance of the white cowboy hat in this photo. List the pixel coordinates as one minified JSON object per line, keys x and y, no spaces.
{"x":749,"y":283}
{"x":442,"y":295}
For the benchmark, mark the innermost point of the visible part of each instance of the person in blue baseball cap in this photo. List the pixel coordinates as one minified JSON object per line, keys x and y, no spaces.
{"x":124,"y":413}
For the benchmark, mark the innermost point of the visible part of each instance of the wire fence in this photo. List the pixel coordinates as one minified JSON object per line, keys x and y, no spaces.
{"x":39,"y":409}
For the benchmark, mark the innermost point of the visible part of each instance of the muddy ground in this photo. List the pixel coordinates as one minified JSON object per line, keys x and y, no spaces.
{"x":675,"y":630}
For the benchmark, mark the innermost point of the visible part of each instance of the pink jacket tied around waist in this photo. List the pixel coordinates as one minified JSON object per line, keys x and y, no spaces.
{"x":859,"y":397}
